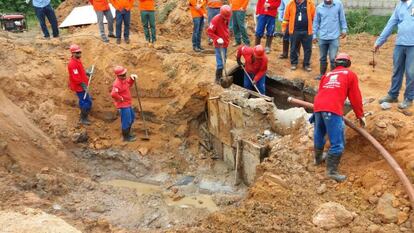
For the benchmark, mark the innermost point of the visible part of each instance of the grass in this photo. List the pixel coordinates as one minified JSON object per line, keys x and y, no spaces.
{"x":360,"y":21}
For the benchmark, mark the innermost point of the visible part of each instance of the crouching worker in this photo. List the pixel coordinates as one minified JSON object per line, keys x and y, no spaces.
{"x":123,"y":101}
{"x":255,"y":67}
{"x":78,"y":82}
{"x":334,"y":88}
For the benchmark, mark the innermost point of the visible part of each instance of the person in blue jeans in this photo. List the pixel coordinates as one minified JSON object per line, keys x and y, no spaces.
{"x":123,"y":16}
{"x":403,"y":58}
{"x":44,"y":10}
{"x":328,"y":26}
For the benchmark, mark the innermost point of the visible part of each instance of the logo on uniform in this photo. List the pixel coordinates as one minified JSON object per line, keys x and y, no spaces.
{"x":333,"y":82}
{"x":75,"y":71}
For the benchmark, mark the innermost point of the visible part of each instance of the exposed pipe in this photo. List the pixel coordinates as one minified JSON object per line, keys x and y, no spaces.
{"x":387,"y":156}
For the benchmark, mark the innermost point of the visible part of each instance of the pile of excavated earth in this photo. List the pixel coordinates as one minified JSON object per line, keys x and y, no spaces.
{"x":58,"y":176}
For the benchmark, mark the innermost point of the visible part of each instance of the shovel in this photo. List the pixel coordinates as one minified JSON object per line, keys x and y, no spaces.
{"x":89,"y":82}
{"x":145,"y":137}
{"x":250,"y":79}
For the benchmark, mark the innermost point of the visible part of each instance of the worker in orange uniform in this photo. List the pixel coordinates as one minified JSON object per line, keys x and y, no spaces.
{"x":147,"y":9}
{"x":78,"y":82}
{"x":255,"y":67}
{"x":334,"y":88}
{"x":218,"y":31}
{"x":213,"y":9}
{"x":299,"y":15}
{"x":239,"y":8}
{"x":122,"y":16}
{"x":101,"y":8}
{"x":123,"y":100}
{"x":198,"y":13}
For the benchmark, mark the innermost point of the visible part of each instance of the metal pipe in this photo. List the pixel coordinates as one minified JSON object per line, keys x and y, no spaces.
{"x":387,"y":156}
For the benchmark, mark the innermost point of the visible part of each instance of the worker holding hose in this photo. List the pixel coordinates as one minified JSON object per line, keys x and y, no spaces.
{"x":123,"y":100}
{"x":334,"y":88}
{"x":255,"y":67}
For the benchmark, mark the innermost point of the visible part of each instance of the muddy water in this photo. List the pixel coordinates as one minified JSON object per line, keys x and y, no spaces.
{"x":199,"y":201}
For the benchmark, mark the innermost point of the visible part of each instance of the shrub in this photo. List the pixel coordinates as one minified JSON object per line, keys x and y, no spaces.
{"x":163,"y":14}
{"x":21,"y":6}
{"x":361,"y":21}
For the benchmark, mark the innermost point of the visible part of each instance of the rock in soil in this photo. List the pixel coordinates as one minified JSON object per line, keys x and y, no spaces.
{"x":385,"y":210}
{"x":332,"y":215}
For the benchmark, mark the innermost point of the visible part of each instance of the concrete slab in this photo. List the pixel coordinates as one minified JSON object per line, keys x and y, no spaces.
{"x":229,"y":155}
{"x":83,"y":15}
{"x":213,"y":117}
{"x":224,"y":123}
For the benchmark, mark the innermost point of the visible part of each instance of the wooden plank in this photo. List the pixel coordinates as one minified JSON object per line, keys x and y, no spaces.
{"x":236,"y":115}
{"x":224,"y":123}
{"x":213,"y":117}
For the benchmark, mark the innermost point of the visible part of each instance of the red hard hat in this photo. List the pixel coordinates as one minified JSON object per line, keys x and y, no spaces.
{"x":225,"y":11}
{"x":343,"y":56}
{"x":247,"y":50}
{"x":258,"y":51}
{"x":75,"y":48}
{"x":119,"y":70}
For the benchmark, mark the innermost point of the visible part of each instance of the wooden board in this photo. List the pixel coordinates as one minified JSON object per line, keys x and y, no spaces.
{"x":213,"y":115}
{"x":224,"y":123}
{"x":236,"y":114}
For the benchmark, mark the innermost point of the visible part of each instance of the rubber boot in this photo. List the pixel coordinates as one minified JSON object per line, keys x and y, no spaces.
{"x":268,"y":44}
{"x":219,"y":74}
{"x":322,"y":69}
{"x":84,"y":118}
{"x":257,"y":40}
{"x":285,"y":51}
{"x":126,"y":136}
{"x":332,"y":163}
{"x":130,"y":133}
{"x":319,"y":156}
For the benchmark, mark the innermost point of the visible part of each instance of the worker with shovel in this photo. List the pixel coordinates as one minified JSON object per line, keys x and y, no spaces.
{"x":79,"y":83}
{"x":334,"y":88}
{"x":218,"y":31}
{"x":123,"y":100}
{"x":254,"y":67}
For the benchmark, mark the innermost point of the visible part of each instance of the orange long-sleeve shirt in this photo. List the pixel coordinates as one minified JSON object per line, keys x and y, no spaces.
{"x":195,"y":13}
{"x":122,"y":4}
{"x":146,"y":5}
{"x":100,"y":5}
{"x":290,"y":14}
{"x":237,"y":5}
{"x":214,"y":3}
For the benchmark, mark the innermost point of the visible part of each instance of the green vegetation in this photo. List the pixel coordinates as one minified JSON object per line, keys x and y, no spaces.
{"x":361,"y":21}
{"x":21,"y":6}
{"x":164,"y":12}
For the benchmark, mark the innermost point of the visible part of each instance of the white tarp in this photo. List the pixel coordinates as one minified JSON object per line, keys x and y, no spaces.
{"x":83,"y":15}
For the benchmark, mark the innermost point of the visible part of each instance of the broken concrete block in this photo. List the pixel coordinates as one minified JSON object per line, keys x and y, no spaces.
{"x":229,"y":156}
{"x":385,"y":210}
{"x":332,"y":215}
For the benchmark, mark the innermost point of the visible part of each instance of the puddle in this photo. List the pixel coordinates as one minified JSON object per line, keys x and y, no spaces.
{"x":201,"y":201}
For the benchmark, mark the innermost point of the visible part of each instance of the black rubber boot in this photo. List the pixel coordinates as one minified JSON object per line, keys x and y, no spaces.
{"x":257,"y":40}
{"x":322,"y":70}
{"x":219,"y":74}
{"x":127,"y":137}
{"x":268,"y":44}
{"x":332,"y":163}
{"x":319,"y":156}
{"x":285,"y":51}
{"x":84,"y":118}
{"x":130,"y":133}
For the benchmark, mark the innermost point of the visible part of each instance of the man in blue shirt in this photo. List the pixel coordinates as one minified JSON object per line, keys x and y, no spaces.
{"x":329,"y":24}
{"x":43,"y":9}
{"x":403,"y":58}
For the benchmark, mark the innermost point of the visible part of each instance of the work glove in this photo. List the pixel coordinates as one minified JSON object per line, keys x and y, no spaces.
{"x":362,"y":122}
{"x":220,"y":41}
{"x":134,"y":77}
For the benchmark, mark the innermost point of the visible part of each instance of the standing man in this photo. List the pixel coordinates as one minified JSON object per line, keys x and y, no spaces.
{"x":147,"y":9}
{"x":213,"y":9}
{"x":334,"y":88}
{"x":239,"y":25}
{"x":266,"y":11}
{"x":198,"y":13}
{"x":329,"y":25}
{"x":102,"y":9}
{"x":255,"y":65}
{"x":123,"y":100}
{"x":281,"y":13}
{"x":298,"y":18}
{"x":78,"y":82}
{"x":122,"y":15}
{"x":403,"y":18}
{"x":218,"y":31}
{"x":43,"y":9}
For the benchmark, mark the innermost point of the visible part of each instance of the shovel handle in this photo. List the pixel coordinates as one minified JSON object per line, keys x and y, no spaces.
{"x":250,"y":79}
